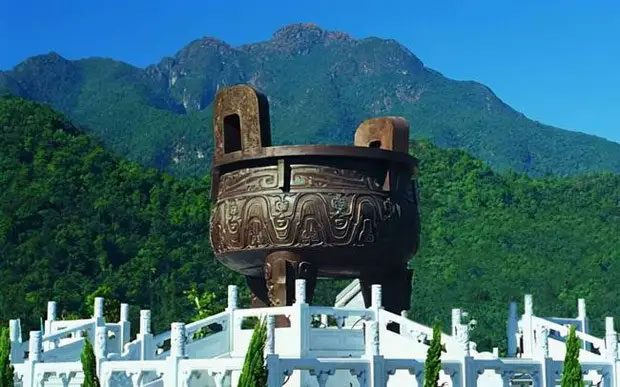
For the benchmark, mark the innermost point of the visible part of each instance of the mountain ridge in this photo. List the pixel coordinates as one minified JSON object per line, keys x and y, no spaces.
{"x":320,"y":84}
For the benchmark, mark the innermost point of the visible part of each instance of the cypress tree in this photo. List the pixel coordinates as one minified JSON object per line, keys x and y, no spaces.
{"x":432,"y":365}
{"x":6,"y":369}
{"x":89,"y":365}
{"x":571,"y":372}
{"x":254,"y":372}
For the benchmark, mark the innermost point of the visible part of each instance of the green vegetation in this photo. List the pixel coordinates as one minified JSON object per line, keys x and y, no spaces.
{"x":488,"y":239}
{"x":6,"y":369}
{"x":321,"y":86}
{"x":432,"y":365}
{"x":76,"y":220}
{"x":571,"y":371}
{"x":89,"y":365}
{"x":254,"y":371}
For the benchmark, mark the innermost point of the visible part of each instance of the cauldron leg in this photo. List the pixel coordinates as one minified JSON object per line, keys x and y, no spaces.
{"x":258,"y":287}
{"x":282,"y":268}
{"x":395,"y":288}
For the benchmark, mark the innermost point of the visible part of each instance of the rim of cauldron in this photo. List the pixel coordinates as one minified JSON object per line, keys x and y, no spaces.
{"x":331,"y":151}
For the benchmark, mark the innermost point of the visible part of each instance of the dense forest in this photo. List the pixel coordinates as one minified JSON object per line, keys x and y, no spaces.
{"x":77,"y":221}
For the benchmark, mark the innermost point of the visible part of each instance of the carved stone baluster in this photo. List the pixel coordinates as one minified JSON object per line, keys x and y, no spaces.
{"x":218,"y":377}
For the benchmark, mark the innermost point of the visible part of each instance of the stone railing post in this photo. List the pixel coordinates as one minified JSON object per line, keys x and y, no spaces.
{"x":51,"y":316}
{"x":376,"y":299}
{"x":147,"y":350}
{"x":511,"y":329}
{"x":98,"y":311}
{"x":460,"y":332}
{"x":275,"y":375}
{"x":35,"y":346}
{"x":582,"y":317}
{"x":15,"y":338}
{"x":100,"y":345}
{"x":611,"y":340}
{"x":528,"y":329}
{"x":270,"y":345}
{"x":378,"y":376}
{"x":234,"y":326}
{"x":35,"y":349}
{"x":177,"y":353}
{"x":301,"y":318}
{"x":125,"y":327}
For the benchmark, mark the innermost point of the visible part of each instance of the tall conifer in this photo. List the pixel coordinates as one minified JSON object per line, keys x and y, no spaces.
{"x":6,"y":369}
{"x":89,"y":365}
{"x":571,"y":373}
{"x":432,"y":365}
{"x":254,"y":372}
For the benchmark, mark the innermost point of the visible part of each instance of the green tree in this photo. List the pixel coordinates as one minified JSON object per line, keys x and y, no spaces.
{"x":432,"y":365}
{"x":6,"y":369}
{"x":571,"y":373}
{"x":89,"y":365}
{"x":254,"y":372}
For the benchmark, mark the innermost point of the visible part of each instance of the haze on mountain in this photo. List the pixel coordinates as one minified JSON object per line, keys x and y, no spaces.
{"x":320,"y":85}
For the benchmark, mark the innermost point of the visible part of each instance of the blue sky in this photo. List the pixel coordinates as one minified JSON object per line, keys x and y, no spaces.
{"x":556,"y":61}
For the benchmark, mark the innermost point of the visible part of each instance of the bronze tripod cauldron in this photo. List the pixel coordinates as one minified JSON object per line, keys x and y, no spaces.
{"x":287,"y":212}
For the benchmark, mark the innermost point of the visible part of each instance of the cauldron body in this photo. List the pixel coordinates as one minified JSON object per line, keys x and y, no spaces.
{"x":288,"y":212}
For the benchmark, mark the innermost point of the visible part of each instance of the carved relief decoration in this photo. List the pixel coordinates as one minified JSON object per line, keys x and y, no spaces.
{"x":324,"y":207}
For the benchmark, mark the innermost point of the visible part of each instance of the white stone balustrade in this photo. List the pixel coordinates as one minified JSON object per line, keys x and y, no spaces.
{"x":350,"y":345}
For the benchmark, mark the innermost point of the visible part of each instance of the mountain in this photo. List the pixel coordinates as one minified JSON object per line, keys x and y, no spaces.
{"x":321,"y":84}
{"x":77,"y":221}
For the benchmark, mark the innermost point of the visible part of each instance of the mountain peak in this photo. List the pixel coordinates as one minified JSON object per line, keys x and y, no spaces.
{"x":299,"y":38}
{"x":306,"y":32}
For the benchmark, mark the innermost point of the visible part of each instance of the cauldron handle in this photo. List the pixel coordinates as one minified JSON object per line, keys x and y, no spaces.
{"x":240,"y":121}
{"x":389,"y":133}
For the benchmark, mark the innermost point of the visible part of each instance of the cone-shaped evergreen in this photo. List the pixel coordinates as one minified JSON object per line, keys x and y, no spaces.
{"x":6,"y":369}
{"x":571,"y":373}
{"x":254,"y":372}
{"x":432,"y":365}
{"x":89,"y":365}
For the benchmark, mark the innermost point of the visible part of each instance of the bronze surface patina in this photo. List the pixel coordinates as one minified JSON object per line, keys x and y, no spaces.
{"x":287,"y":212}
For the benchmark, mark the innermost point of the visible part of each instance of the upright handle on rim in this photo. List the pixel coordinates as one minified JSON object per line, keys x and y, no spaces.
{"x":388,"y":133}
{"x":240,"y":121}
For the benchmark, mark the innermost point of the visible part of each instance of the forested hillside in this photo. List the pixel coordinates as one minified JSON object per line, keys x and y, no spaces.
{"x":77,"y":221}
{"x":489,"y":238}
{"x":321,"y":85}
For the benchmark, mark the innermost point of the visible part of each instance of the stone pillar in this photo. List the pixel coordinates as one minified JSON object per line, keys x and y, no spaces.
{"x":528,"y":329}
{"x":582,"y":317}
{"x":35,"y":346}
{"x":511,"y":330}
{"x":300,"y":321}
{"x":234,"y":324}
{"x":145,"y":321}
{"x":100,"y":345}
{"x":270,"y":345}
{"x":177,"y":352}
{"x":16,"y":354}
{"x":611,"y":340}
{"x":372,"y":338}
{"x":147,"y":350}
{"x":125,"y":327}
{"x":377,"y":377}
{"x":98,"y":308}
{"x":177,"y":339}
{"x":376,"y":298}
{"x":232,"y":297}
{"x":300,"y":291}
{"x":51,"y":316}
